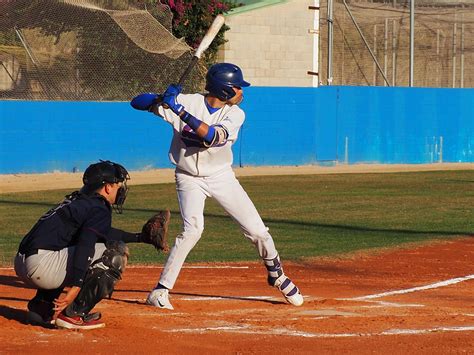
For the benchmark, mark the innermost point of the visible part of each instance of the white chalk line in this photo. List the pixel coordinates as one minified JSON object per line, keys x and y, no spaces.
{"x":247,"y":329}
{"x":414,"y":289}
{"x":161,"y":267}
{"x":215,"y":267}
{"x":189,"y":267}
{"x":426,"y":331}
{"x":382,"y":304}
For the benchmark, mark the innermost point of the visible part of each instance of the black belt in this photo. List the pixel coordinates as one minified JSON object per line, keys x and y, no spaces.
{"x":31,"y":252}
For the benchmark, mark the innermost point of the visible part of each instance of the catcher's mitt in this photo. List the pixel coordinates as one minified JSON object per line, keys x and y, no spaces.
{"x":155,"y":231}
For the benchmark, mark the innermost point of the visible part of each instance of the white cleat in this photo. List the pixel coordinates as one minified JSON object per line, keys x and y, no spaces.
{"x":289,"y":290}
{"x":296,"y":299}
{"x":159,"y":298}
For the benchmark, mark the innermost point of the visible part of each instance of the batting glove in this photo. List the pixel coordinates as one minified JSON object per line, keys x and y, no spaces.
{"x":170,"y":99}
{"x":173,"y":90}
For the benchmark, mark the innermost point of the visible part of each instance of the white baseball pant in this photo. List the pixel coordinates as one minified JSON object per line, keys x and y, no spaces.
{"x":50,"y":269}
{"x":226,"y":190}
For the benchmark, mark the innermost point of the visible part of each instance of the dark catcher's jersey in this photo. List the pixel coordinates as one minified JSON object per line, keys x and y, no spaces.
{"x":80,"y":221}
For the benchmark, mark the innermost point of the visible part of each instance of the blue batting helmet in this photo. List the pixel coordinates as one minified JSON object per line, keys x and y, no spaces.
{"x":222,"y":77}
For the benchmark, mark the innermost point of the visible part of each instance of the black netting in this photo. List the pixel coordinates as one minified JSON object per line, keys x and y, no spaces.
{"x":88,"y":50}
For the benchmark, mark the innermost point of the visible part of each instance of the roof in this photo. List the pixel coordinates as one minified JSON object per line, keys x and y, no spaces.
{"x":250,"y":5}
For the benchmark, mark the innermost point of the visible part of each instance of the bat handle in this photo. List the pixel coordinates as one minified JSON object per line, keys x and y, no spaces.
{"x":191,"y":65}
{"x":158,"y":101}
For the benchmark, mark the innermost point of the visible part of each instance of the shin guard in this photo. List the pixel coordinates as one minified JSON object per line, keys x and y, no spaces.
{"x":99,"y":282}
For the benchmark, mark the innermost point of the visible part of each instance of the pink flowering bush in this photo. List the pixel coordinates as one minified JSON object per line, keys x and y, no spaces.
{"x":191,"y":19}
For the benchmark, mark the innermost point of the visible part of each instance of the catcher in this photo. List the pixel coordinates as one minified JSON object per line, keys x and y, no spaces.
{"x":74,"y":248}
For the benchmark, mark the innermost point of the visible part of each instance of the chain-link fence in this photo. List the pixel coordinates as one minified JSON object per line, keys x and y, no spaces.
{"x":443,"y":43}
{"x":111,"y":50}
{"x":88,"y":50}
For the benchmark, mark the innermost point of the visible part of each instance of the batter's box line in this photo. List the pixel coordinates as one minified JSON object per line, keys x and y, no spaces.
{"x":413,"y":289}
{"x":382,"y":304}
{"x":247,"y":329}
{"x":189,"y":267}
{"x":161,"y":267}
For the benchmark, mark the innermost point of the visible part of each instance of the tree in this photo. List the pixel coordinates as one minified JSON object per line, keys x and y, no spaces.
{"x":191,"y":19}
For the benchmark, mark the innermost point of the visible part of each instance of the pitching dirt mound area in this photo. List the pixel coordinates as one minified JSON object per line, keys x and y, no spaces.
{"x":418,"y":300}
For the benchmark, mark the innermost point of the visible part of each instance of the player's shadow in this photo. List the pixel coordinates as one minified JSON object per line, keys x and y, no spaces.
{"x":198,"y":295}
{"x":14,"y":299}
{"x":237,"y":298}
{"x":21,"y":316}
{"x":13,"y":281}
{"x":13,"y":314}
{"x":282,"y":222}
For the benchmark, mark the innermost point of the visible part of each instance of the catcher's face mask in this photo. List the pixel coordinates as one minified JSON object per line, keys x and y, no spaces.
{"x":121,"y":196}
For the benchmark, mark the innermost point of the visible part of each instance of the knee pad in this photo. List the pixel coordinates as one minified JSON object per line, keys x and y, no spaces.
{"x":115,"y":257}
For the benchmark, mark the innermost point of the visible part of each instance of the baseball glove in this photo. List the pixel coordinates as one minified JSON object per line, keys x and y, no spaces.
{"x":155,"y":231}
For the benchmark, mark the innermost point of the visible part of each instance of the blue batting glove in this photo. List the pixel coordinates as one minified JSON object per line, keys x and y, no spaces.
{"x":144,"y":102}
{"x":170,"y":99}
{"x":173,"y":90}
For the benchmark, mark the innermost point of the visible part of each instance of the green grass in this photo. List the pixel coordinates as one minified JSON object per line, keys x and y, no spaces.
{"x":308,"y":215}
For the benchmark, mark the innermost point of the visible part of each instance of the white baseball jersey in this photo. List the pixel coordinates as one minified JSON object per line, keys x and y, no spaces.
{"x":187,"y":150}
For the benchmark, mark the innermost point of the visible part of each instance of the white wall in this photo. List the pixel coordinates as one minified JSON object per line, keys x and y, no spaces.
{"x":272,"y":44}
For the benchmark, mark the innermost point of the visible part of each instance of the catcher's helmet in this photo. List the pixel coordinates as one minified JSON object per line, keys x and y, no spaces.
{"x":222,"y":77}
{"x":98,"y":174}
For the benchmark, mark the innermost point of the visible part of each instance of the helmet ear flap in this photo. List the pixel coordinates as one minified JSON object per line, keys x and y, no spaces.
{"x":229,"y":93}
{"x":222,"y":93}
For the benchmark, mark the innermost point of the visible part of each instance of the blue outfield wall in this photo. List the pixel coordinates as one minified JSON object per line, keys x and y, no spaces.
{"x":284,"y":126}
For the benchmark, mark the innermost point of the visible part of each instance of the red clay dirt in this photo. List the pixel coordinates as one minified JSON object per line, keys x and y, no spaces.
{"x":417,"y":299}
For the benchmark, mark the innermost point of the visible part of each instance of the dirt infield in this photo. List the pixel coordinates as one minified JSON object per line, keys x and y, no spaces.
{"x":408,"y":300}
{"x":417,"y":299}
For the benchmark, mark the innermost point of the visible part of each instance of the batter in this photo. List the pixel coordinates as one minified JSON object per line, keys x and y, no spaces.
{"x":204,"y":129}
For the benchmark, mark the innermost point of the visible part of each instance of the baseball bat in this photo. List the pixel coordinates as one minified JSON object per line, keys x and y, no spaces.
{"x":205,"y":43}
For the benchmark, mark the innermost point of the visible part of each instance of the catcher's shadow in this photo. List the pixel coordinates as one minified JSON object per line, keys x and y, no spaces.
{"x":21,"y":316}
{"x":13,"y":314}
{"x":13,"y":281}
